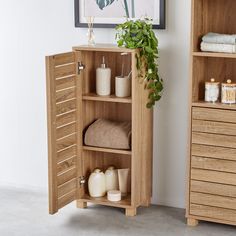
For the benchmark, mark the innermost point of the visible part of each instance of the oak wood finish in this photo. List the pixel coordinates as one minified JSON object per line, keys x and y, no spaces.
{"x":73,"y":106}
{"x":62,"y":169}
{"x":211,"y":187}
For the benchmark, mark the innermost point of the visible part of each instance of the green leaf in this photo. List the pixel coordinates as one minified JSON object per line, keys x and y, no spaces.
{"x":139,"y":34}
{"x":103,"y":3}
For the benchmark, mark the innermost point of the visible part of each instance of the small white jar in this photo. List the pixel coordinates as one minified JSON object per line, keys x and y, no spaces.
{"x":212,"y":91}
{"x":114,"y":195}
{"x":122,"y":86}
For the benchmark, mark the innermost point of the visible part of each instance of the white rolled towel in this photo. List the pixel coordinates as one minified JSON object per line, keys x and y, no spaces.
{"x":216,"y":47}
{"x":219,"y":38}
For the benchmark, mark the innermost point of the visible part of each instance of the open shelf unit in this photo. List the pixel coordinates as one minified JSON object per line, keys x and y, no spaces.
{"x":212,"y":144}
{"x":73,"y":106}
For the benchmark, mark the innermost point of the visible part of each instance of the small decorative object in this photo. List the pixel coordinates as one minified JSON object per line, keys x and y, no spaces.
{"x":139,"y":34}
{"x":109,"y":13}
{"x":103,"y":80}
{"x":114,"y":195}
{"x":91,"y":36}
{"x":97,"y":184}
{"x":123,"y":175}
{"x":111,"y":179}
{"x":228,"y":92}
{"x":212,"y":91}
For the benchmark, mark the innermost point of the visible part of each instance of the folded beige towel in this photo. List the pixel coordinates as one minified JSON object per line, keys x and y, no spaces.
{"x":109,"y":134}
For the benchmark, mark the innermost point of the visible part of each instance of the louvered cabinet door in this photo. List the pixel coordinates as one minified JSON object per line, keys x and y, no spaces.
{"x":63,"y":129}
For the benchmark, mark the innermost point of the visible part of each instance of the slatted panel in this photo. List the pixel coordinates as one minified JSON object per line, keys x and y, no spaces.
{"x":213,"y":188}
{"x":62,"y":127}
{"x":213,"y":164}
{"x":214,"y":114}
{"x":214,"y":152}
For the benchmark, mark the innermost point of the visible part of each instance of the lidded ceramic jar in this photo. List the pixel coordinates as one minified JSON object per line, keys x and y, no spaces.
{"x":111,"y":175}
{"x":228,"y":92}
{"x":97,"y":184}
{"x":212,"y":91}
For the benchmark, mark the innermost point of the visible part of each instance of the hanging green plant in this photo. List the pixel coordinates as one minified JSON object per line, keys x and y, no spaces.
{"x":139,"y":34}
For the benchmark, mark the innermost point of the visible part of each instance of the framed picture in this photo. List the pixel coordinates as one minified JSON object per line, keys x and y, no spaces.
{"x":109,"y":13}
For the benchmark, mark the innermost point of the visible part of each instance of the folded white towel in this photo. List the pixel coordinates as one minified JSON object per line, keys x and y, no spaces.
{"x":215,"y":47}
{"x":219,"y":38}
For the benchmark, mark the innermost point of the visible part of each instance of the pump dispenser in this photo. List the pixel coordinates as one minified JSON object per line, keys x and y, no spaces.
{"x":103,"y":79}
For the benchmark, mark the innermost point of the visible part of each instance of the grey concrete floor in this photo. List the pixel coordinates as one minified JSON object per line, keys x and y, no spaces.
{"x":24,"y":213}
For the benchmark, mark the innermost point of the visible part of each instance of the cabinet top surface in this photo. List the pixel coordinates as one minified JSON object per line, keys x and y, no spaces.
{"x":103,"y":48}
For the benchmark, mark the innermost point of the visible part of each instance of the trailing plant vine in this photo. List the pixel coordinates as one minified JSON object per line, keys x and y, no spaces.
{"x":139,"y":34}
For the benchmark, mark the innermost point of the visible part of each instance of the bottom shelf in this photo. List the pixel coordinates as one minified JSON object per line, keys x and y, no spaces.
{"x":124,"y":203}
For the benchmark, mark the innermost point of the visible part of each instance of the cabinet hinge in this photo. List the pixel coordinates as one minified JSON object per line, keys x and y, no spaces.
{"x":81,"y":67}
{"x":82,"y":180}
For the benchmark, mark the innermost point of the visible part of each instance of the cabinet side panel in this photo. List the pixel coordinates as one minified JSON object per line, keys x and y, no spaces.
{"x":142,"y":129}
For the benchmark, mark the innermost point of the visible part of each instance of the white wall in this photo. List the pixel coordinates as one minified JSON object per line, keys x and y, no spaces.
{"x":30,"y":30}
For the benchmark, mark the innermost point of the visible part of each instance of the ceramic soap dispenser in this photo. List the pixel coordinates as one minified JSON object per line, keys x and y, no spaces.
{"x":97,"y":184}
{"x":103,"y":79}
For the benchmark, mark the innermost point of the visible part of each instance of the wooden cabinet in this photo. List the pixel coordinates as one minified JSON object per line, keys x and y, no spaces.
{"x":73,"y":105}
{"x":211,"y":194}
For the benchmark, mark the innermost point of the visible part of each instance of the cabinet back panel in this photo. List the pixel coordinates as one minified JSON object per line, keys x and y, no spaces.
{"x":204,"y":69}
{"x":93,"y":60}
{"x":92,"y":160}
{"x":113,"y":111}
{"x":212,"y":16}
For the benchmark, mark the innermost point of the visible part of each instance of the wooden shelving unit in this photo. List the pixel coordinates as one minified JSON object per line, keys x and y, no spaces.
{"x":73,"y":105}
{"x":212,"y":144}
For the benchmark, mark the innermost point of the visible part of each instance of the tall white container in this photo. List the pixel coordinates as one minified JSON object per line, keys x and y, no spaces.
{"x":111,"y":175}
{"x":103,"y":80}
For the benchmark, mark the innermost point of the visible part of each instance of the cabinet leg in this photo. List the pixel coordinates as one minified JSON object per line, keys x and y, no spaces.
{"x":131,"y":211}
{"x":81,"y":205}
{"x":192,"y":222}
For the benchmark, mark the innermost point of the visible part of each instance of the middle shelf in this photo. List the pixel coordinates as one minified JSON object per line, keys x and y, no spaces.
{"x":111,"y":98}
{"x":107,"y":150}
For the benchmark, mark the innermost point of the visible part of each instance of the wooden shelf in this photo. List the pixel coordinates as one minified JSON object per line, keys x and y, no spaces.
{"x":111,"y":98}
{"x":214,"y":105}
{"x":214,"y":54}
{"x":124,"y":203}
{"x":108,"y":150}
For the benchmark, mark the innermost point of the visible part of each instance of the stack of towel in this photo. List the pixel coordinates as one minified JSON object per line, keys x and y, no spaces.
{"x":213,"y":42}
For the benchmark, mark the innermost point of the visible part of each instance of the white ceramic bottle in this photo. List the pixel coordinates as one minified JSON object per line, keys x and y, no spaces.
{"x":111,"y":179}
{"x":103,"y":80}
{"x":97,"y":184}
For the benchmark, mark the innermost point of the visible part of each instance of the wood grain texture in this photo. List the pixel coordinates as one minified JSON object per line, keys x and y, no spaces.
{"x":213,"y":164}
{"x":204,"y":126}
{"x":61,"y":130}
{"x":213,"y":188}
{"x":214,"y":152}
{"x":214,"y":140}
{"x":213,"y":176}
{"x":213,"y":213}
{"x":213,"y":200}
{"x":192,"y":222}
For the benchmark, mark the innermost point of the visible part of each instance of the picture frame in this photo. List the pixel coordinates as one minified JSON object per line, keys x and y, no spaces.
{"x":81,"y":8}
